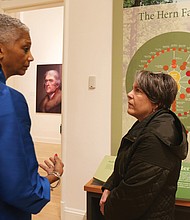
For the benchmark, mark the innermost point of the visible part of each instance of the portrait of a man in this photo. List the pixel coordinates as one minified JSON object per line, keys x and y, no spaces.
{"x":48,"y":98}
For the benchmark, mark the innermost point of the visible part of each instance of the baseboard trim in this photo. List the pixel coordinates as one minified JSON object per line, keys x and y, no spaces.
{"x":47,"y":140}
{"x":72,"y":214}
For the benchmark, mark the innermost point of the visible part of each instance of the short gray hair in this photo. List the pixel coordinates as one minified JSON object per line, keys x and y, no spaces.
{"x":11,"y":28}
{"x":160,"y":88}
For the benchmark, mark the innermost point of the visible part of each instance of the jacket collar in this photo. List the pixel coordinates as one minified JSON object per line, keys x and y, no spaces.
{"x":2,"y":76}
{"x":160,"y":116}
{"x":138,"y":127}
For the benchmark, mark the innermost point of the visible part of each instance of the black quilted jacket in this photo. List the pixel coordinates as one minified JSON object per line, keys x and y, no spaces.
{"x":147,"y":167}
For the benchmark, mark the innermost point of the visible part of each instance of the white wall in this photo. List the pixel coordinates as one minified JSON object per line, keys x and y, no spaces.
{"x":87,"y":113}
{"x":46,"y":30}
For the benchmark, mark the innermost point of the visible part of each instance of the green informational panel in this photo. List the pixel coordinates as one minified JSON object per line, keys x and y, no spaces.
{"x":183,"y":191}
{"x":105,"y":168}
{"x":169,"y":53}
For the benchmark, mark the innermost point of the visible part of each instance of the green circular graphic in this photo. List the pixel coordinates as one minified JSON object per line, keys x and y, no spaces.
{"x":169,"y":53}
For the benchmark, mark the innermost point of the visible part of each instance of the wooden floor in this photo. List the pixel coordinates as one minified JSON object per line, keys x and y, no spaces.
{"x":52,"y":210}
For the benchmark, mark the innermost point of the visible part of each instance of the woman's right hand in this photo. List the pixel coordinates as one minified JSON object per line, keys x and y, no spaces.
{"x":103,"y":200}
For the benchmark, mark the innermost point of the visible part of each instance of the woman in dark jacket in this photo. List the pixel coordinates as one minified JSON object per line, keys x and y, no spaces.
{"x":144,"y":181}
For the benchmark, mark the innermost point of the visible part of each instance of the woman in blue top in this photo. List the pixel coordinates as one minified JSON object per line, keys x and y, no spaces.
{"x":22,"y":190}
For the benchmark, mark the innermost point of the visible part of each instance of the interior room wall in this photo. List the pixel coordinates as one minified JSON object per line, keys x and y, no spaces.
{"x":87,"y":112}
{"x":46,"y":30}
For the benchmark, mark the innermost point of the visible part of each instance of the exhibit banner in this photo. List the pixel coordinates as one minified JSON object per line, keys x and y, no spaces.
{"x":156,"y":38}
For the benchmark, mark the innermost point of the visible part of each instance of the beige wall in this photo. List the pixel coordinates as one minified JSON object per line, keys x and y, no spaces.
{"x":87,"y":113}
{"x":117,"y":69}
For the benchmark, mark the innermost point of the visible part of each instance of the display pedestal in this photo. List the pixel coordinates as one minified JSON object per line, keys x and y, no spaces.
{"x":93,"y":189}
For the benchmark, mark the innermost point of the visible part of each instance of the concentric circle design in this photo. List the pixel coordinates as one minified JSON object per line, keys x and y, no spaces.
{"x":169,"y":53}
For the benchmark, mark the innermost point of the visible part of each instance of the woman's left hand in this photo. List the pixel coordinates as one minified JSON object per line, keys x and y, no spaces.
{"x":54,"y":164}
{"x":48,"y":165}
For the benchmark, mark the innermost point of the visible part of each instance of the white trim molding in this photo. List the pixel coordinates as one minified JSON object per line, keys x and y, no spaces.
{"x":19,"y":5}
{"x":72,"y":214}
{"x":47,"y":140}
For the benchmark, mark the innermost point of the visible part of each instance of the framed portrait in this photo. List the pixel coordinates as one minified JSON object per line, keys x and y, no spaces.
{"x":48,"y":88}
